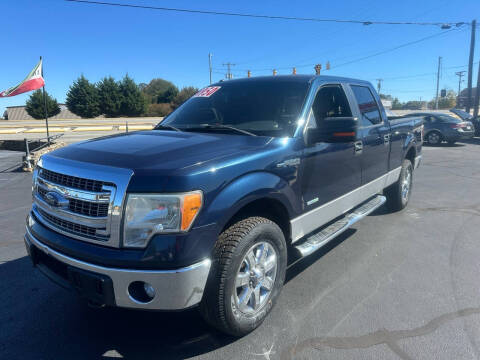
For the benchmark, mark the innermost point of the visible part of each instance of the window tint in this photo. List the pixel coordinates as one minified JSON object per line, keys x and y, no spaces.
{"x":329,"y":102}
{"x":367,"y":104}
{"x":449,"y":119}
{"x":263,"y":107}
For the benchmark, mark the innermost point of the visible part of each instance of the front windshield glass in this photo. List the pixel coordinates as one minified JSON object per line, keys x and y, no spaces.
{"x":261,"y":107}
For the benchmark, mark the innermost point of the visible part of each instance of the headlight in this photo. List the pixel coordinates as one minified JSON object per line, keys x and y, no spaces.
{"x":147,"y":214}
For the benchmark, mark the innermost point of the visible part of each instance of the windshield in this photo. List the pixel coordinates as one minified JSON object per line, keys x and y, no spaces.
{"x":261,"y":107}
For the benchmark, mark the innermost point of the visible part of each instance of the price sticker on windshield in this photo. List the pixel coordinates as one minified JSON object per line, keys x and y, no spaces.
{"x":207,"y":92}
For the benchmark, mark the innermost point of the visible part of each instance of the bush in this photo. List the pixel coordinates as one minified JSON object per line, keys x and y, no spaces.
{"x":83,"y":99}
{"x":36,"y":105}
{"x":159,"y":109}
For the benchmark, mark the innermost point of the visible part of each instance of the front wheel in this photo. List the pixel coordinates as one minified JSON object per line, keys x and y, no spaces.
{"x":247,"y":275}
{"x":398,"y":194}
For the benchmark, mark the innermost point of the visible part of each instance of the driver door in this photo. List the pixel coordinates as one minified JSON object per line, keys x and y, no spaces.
{"x":330,"y":170}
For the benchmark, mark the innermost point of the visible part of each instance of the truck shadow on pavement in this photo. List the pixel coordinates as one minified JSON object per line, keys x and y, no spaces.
{"x":40,"y":320}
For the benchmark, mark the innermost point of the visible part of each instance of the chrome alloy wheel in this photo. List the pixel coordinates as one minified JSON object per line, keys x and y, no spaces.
{"x":406,"y":184}
{"x":255,"y":278}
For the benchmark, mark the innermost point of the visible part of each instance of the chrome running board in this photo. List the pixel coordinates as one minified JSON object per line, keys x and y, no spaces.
{"x":324,"y":235}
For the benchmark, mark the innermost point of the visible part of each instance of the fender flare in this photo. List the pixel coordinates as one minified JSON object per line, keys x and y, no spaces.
{"x":246,"y":189}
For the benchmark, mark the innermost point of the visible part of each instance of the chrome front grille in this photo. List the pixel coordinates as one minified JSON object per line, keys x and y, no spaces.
{"x":80,"y":200}
{"x":69,"y":226}
{"x":80,"y":210}
{"x":88,"y":208}
{"x":73,"y":181}
{"x":82,"y":207}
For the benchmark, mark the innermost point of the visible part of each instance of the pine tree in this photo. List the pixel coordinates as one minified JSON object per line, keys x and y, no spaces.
{"x":133,"y":101}
{"x":36,"y":106}
{"x":83,"y":99}
{"x":110,"y":97}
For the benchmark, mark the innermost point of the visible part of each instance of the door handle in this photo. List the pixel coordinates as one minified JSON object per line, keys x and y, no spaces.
{"x":358,"y":147}
{"x":386,"y":139}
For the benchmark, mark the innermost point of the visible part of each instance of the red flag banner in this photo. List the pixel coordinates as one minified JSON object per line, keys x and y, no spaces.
{"x":33,"y":81}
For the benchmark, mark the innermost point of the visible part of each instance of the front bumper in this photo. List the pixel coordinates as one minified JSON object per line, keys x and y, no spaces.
{"x":174,"y":289}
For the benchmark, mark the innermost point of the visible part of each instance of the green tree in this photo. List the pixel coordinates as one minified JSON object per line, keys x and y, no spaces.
{"x":168,"y":95}
{"x":83,"y":99}
{"x":413,"y":105}
{"x":110,"y":96}
{"x":184,"y":94}
{"x":448,"y":101}
{"x":159,"y":91}
{"x":36,"y":105}
{"x":396,"y":104}
{"x":133,"y":101}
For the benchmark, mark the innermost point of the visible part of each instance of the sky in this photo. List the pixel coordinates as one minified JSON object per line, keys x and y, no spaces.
{"x":99,"y":41}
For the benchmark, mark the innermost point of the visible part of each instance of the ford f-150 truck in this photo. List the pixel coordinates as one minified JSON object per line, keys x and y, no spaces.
{"x":204,"y":209}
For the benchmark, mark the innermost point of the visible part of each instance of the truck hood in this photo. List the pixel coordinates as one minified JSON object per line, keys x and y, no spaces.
{"x":161,"y":151}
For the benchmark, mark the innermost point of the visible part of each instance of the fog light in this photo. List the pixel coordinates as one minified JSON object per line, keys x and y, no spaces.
{"x":141,"y":292}
{"x":149,"y":290}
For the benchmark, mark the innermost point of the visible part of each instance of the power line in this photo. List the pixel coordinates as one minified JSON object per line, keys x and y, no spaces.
{"x":392,"y":49}
{"x":443,"y":25}
{"x":358,"y":59}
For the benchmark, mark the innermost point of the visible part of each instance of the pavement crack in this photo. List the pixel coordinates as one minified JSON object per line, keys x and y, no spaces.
{"x":383,"y":336}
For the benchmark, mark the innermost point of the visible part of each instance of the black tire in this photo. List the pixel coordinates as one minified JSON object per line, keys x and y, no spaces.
{"x":434,"y":138}
{"x":451,"y":143}
{"x":218,"y":306}
{"x":397,"y":199}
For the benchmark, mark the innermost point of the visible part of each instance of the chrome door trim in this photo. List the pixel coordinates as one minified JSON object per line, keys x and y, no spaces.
{"x":313,"y":219}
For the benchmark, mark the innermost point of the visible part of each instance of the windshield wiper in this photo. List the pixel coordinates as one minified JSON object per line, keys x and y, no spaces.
{"x":167,"y":127}
{"x":223,"y":126}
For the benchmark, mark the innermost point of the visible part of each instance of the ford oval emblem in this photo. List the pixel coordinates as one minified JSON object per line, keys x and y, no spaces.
{"x":55,"y":199}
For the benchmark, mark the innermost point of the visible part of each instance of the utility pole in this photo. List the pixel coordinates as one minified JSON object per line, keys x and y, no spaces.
{"x":470,"y":67}
{"x":379,"y":85}
{"x":210,"y":66}
{"x":460,"y":75}
{"x":438,"y":81}
{"x":477,"y":94}
{"x":229,"y":70}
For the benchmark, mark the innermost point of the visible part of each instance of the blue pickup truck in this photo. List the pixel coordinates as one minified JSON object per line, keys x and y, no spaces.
{"x":205,"y":209}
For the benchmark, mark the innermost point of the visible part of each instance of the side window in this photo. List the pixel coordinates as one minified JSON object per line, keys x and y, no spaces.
{"x":367,"y":104}
{"x":330,"y":101}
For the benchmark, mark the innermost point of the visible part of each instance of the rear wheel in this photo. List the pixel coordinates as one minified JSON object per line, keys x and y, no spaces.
{"x":434,"y":138}
{"x":398,"y":194}
{"x":247,"y":275}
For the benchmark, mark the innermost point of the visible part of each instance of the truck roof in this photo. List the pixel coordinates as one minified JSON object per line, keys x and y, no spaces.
{"x":293,"y":78}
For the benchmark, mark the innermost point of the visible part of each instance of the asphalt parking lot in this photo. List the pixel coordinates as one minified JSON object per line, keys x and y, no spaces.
{"x":403,"y":285}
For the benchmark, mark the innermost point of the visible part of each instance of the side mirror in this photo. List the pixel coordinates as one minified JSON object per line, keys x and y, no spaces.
{"x":333,"y":130}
